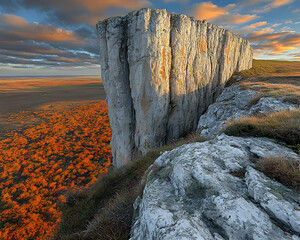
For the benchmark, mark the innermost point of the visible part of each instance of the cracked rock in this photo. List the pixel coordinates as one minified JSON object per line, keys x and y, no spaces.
{"x":192,"y":193}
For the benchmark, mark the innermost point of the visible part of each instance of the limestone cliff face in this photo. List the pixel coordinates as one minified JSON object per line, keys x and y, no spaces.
{"x":160,"y":73}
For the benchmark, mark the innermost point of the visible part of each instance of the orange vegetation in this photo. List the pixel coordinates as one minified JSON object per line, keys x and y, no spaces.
{"x":40,"y":164}
{"x":30,"y":84}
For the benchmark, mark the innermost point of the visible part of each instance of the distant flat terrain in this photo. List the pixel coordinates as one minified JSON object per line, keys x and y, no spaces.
{"x":31,"y":94}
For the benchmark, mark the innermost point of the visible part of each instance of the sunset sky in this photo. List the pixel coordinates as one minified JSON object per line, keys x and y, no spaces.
{"x":58,"y":37}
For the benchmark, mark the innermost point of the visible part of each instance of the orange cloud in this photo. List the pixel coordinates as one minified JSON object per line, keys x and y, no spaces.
{"x":238,"y":18}
{"x":275,"y":47}
{"x":263,"y":36}
{"x":278,"y":3}
{"x":222,"y":15}
{"x":91,"y":5}
{"x":209,"y":11}
{"x":13,"y":20}
{"x":15,"y":27}
{"x":295,"y":56}
{"x":273,"y":4}
{"x":94,"y":5}
{"x":83,"y":11}
{"x":255,"y":25}
{"x":274,"y":43}
{"x":73,"y":60}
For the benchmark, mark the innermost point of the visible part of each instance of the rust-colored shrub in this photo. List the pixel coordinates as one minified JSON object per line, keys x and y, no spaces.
{"x":41,"y":163}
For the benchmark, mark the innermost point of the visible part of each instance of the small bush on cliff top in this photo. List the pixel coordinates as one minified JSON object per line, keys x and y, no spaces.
{"x":283,"y":126}
{"x":105,"y":209}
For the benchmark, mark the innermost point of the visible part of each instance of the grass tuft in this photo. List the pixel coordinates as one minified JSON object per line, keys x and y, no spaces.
{"x":283,"y":170}
{"x":289,"y":92}
{"x":105,"y":209}
{"x":283,"y":126}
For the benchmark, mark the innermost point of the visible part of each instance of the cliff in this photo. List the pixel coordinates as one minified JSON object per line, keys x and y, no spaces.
{"x":160,"y":72}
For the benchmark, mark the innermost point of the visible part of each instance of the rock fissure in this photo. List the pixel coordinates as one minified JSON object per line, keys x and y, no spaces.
{"x":238,"y":208}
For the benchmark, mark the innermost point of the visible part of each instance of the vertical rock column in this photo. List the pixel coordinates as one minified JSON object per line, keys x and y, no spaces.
{"x":115,"y":72}
{"x":149,"y":66}
{"x":160,"y":73}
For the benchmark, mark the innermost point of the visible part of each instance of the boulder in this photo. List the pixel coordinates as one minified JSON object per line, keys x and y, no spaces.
{"x":160,"y":72}
{"x":211,"y":190}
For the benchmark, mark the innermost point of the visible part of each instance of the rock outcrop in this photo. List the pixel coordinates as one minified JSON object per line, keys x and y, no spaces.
{"x":160,"y":73}
{"x":234,"y":103}
{"x":211,"y":190}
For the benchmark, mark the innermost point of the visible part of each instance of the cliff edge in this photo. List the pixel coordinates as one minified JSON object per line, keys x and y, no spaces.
{"x":160,"y":72}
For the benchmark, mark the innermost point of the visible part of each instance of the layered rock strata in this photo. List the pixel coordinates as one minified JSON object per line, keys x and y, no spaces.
{"x":160,"y":73}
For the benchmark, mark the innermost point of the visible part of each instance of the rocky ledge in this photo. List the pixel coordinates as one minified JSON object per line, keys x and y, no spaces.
{"x":211,"y":190}
{"x":160,"y":72}
{"x":234,"y":103}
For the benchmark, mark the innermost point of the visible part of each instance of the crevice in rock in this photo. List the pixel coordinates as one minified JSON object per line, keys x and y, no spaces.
{"x":280,"y":224}
{"x":214,"y":228}
{"x":133,"y":120}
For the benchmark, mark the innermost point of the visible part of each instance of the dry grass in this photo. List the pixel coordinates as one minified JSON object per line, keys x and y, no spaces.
{"x":105,"y":209}
{"x":263,"y":68}
{"x":283,"y":170}
{"x":289,"y":92}
{"x":272,"y":79}
{"x":283,"y":126}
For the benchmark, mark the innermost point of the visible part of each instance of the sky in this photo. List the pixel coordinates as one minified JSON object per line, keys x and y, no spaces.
{"x":58,"y":37}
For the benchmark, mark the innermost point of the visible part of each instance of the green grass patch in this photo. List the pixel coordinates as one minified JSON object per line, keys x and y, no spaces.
{"x":105,"y":210}
{"x":283,"y":126}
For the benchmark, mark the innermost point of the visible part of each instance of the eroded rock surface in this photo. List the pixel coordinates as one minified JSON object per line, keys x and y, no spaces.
{"x":160,"y":72}
{"x":210,"y":190}
{"x":234,"y":103}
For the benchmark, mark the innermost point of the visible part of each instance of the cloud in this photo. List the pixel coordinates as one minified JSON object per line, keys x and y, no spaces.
{"x":278,"y":3}
{"x":72,"y":12}
{"x":221,"y":15}
{"x":276,"y":24}
{"x":273,"y":4}
{"x":255,"y":25}
{"x":178,"y":1}
{"x":35,"y":44}
{"x":295,"y":56}
{"x":73,"y":43}
{"x":272,"y":43}
{"x":16,"y":28}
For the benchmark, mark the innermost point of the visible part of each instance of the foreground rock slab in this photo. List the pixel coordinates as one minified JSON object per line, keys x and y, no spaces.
{"x":210,"y":190}
{"x":160,"y":72}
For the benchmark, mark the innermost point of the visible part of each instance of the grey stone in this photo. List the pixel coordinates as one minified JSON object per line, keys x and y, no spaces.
{"x":160,"y":73}
{"x":197,"y":197}
{"x":233,"y":103}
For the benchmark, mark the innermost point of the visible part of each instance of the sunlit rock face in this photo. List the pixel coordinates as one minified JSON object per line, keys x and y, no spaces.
{"x":160,"y":72}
